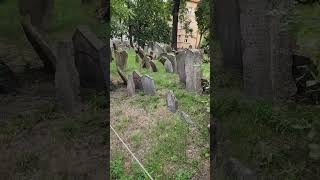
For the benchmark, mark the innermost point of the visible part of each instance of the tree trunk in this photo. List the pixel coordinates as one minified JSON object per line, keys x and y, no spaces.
{"x":175,"y":17}
{"x":199,"y":45}
{"x":105,"y":10}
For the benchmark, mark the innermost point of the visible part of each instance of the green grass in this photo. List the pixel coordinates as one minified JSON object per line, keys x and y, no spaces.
{"x":170,"y":137}
{"x":271,"y":138}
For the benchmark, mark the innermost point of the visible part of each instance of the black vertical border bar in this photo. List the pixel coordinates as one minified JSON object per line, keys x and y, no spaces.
{"x":213,"y":121}
{"x":107,"y":19}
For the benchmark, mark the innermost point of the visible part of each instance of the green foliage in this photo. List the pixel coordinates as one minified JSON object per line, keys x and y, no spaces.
{"x":304,"y":23}
{"x":150,"y":22}
{"x":203,"y":16}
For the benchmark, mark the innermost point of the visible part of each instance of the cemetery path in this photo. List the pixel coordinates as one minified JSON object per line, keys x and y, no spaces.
{"x":147,"y":127}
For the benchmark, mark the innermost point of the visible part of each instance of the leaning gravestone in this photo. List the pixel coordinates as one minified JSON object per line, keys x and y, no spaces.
{"x":137,"y":79}
{"x":121,"y":59}
{"x":66,"y":78}
{"x":168,"y":66}
{"x":148,"y":85}
{"x":91,"y":59}
{"x":172,"y":102}
{"x":44,"y":51}
{"x":158,"y":49}
{"x":122,"y":76}
{"x":130,"y":86}
{"x":193,"y":71}
{"x":153,"y":66}
{"x":181,"y":56}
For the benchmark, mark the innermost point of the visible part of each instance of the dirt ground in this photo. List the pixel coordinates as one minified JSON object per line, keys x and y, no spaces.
{"x":38,"y":142}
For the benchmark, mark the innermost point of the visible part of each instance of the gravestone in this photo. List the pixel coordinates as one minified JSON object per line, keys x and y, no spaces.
{"x":172,"y":59}
{"x":66,"y":78}
{"x":163,"y":59}
{"x":42,"y":48}
{"x":186,"y":117}
{"x":146,"y":62}
{"x":168,"y":66}
{"x":91,"y":59}
{"x":172,"y":102}
{"x":193,"y":71}
{"x":137,"y":79}
{"x":121,"y":59}
{"x":168,"y":49}
{"x":158,"y":49}
{"x":267,"y":62}
{"x":130,"y":86}
{"x":122,"y":76}
{"x":148,"y":85}
{"x":39,"y":11}
{"x":181,"y":56}
{"x":153,"y":66}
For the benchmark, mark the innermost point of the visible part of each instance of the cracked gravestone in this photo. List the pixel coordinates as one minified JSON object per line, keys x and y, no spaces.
{"x":148,"y":85}
{"x":172,"y":102}
{"x":130,"y":86}
{"x":137,"y":80}
{"x":42,"y":48}
{"x":121,"y":59}
{"x":66,"y":78}
{"x":168,"y":66}
{"x":91,"y":59}
{"x":193,"y":71}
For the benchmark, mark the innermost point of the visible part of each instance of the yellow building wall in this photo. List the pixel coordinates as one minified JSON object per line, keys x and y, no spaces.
{"x":189,"y":40}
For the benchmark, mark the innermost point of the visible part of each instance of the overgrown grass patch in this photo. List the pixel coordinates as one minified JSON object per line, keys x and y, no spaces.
{"x":169,"y":138}
{"x":270,"y":138}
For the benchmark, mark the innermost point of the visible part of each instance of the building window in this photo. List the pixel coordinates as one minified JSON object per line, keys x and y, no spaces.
{"x":186,"y":40}
{"x":179,"y":36}
{"x":186,"y":36}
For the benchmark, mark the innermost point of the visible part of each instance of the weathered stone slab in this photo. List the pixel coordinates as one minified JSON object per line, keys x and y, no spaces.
{"x":130,"y":86}
{"x":193,"y":71}
{"x":158,"y":49}
{"x":186,"y":117}
{"x":42,"y":48}
{"x":153,"y":66}
{"x":146,"y":62}
{"x":91,"y":59}
{"x":163,"y":59}
{"x":121,"y":59}
{"x":137,"y":80}
{"x":122,"y":76}
{"x":66,"y":78}
{"x":172,"y":102}
{"x":148,"y":85}
{"x":267,"y":60}
{"x":168,"y":66}
{"x":181,"y":57}
{"x":173,"y":60}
